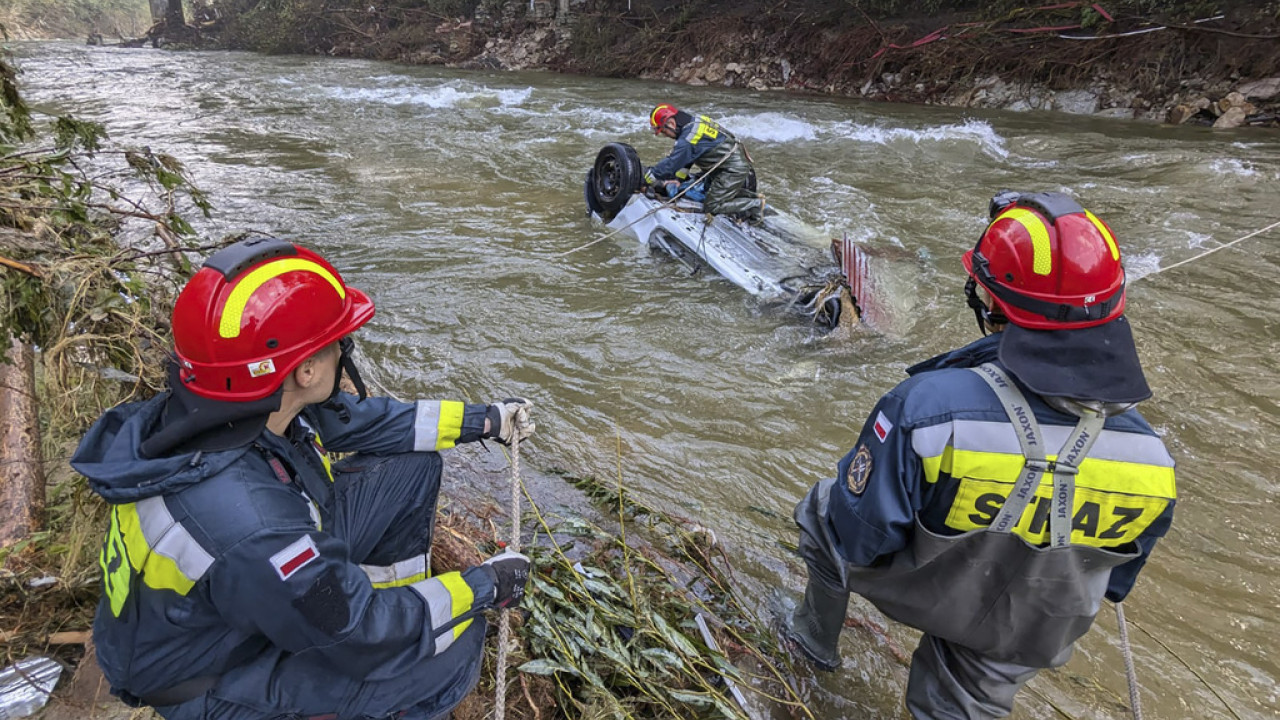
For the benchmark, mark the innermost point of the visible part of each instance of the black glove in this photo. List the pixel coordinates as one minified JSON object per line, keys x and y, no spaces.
{"x":509,"y":417}
{"x":510,"y":573}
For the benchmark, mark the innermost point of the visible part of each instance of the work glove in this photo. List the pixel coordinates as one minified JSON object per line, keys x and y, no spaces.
{"x":509,"y":417}
{"x":510,"y":573}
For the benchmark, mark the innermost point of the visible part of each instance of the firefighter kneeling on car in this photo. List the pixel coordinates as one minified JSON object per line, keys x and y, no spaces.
{"x":244,"y":575}
{"x":1000,"y":492}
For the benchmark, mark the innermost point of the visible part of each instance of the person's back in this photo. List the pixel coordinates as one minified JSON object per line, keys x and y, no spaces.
{"x":702,"y":142}
{"x":1015,"y":595}
{"x":997,"y":495}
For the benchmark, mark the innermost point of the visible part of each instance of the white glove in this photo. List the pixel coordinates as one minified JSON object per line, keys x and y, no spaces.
{"x":510,"y":419}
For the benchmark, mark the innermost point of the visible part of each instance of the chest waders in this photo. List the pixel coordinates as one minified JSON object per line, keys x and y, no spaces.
{"x":989,"y":589}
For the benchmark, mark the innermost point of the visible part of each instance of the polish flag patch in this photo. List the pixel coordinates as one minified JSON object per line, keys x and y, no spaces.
{"x":882,"y":426}
{"x":298,"y":555}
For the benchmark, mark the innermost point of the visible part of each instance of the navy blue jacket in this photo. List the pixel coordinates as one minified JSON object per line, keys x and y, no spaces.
{"x":212,"y":558}
{"x":938,"y":451}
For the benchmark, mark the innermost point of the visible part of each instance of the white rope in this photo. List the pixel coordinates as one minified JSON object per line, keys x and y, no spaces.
{"x":1211,"y":251}
{"x":1135,"y":703}
{"x":520,"y":419}
{"x":1143,"y":31}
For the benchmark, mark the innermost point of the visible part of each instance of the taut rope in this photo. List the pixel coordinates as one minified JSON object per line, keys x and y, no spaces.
{"x":1210,"y":251}
{"x":504,"y":622}
{"x":1135,"y":703}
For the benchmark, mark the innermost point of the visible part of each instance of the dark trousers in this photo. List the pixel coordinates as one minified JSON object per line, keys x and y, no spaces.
{"x":726,"y":190}
{"x":947,"y":681}
{"x":385,"y":510}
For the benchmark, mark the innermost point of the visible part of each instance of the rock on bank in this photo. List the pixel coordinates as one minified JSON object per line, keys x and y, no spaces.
{"x":1113,"y":58}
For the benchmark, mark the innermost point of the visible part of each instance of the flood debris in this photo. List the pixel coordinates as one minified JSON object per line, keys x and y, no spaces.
{"x":642,"y":619}
{"x":25,"y":686}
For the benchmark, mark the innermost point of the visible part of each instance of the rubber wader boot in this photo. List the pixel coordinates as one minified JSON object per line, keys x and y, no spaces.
{"x":815,"y":626}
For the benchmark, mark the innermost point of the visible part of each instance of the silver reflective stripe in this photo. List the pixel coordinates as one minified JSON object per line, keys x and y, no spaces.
{"x":440,"y":604}
{"x":414,"y":568}
{"x":1064,"y":470}
{"x":167,"y":537}
{"x":998,"y":437}
{"x":1001,"y":437}
{"x":426,"y":426}
{"x":932,"y":441}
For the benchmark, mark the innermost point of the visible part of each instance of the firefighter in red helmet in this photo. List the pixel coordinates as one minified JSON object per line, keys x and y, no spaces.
{"x":702,"y":142}
{"x":244,"y":574}
{"x":996,"y":496}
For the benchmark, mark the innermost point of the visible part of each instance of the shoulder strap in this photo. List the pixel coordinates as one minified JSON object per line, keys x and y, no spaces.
{"x":1064,"y":469}
{"x":277,"y":465}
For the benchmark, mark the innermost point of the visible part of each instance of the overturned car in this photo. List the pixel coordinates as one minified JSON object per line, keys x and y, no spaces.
{"x":779,"y":259}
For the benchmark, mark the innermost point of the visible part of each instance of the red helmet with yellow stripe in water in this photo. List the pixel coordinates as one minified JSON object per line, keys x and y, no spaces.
{"x":659,"y":116}
{"x":254,"y":312}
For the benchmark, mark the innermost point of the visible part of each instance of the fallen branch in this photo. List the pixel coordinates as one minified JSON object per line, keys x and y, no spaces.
{"x":33,"y":272}
{"x":70,"y":637}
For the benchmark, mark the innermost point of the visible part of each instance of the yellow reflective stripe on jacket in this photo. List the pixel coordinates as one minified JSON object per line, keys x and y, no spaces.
{"x":935,"y":442}
{"x":447,"y":596}
{"x":706,"y":127}
{"x":318,"y":446}
{"x":1099,"y":518}
{"x":116,"y":567}
{"x":155,"y":546}
{"x":1123,"y":485}
{"x":405,"y":572}
{"x":437,"y":424}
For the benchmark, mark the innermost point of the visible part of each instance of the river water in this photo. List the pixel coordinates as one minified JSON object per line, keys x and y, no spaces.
{"x":453,"y":198}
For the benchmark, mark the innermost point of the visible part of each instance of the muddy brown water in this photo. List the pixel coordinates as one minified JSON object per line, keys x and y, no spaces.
{"x":451,"y":197}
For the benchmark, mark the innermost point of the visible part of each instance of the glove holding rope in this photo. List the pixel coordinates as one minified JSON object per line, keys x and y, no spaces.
{"x":509,"y":417}
{"x":510,"y":573}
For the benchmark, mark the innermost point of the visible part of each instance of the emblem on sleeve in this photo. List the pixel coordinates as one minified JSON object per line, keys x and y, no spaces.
{"x":859,"y":471}
{"x":299,"y":554}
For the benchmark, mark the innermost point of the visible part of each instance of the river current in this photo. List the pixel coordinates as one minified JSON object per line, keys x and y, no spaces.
{"x":452,"y":197}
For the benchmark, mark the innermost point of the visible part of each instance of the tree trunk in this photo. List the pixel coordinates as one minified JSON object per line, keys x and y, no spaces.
{"x":173,"y":17}
{"x":21,"y":467}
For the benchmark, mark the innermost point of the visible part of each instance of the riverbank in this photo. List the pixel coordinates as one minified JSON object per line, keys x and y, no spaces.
{"x":1116,"y":59}
{"x":1177,"y":62}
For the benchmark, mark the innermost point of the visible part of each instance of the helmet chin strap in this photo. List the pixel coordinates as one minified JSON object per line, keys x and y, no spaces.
{"x":983,"y":314}
{"x":346,"y":363}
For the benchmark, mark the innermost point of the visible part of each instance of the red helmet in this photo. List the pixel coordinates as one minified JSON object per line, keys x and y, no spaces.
{"x":659,"y":116}
{"x":254,"y":312}
{"x":1048,"y":263}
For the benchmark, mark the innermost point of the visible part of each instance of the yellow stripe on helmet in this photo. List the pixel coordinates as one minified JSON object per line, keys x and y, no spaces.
{"x":1106,"y":234}
{"x":1042,"y":253}
{"x":233,"y":311}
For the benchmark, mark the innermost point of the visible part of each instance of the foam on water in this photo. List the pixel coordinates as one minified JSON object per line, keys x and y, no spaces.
{"x":770,"y":127}
{"x":1140,"y":265}
{"x":1234,"y":167}
{"x":438,"y":97}
{"x":972,"y":131}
